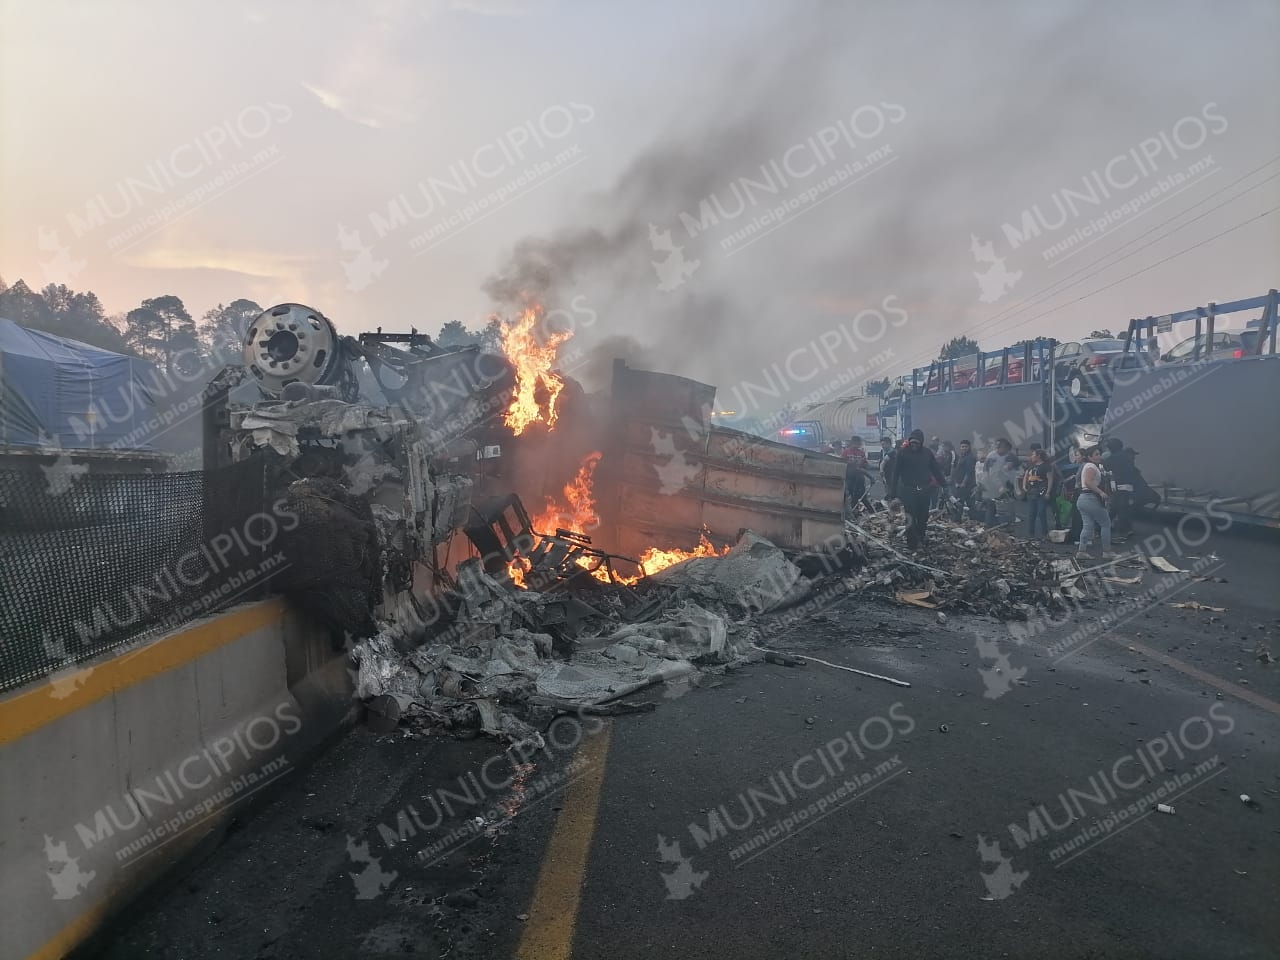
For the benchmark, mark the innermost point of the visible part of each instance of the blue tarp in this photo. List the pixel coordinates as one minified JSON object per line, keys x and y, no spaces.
{"x":56,"y":392}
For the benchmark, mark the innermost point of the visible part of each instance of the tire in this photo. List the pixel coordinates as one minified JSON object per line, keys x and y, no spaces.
{"x":1075,"y":386}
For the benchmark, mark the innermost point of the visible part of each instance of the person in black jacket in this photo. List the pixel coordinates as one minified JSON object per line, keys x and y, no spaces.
{"x":1119,"y":462}
{"x":915,"y":475}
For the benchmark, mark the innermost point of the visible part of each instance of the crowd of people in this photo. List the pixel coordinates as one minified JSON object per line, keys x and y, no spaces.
{"x":1091,"y":496}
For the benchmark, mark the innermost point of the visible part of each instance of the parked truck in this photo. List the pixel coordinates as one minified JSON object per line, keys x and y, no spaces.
{"x":820,"y":424}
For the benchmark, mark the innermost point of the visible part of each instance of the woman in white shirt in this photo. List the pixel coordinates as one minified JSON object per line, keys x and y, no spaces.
{"x":1092,"y":504}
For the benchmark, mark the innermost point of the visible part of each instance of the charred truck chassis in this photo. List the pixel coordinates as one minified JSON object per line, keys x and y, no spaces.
{"x":400,"y":473}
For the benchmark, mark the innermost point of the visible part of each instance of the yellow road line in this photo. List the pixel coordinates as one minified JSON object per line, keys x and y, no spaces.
{"x":41,"y":703}
{"x":553,"y":914}
{"x":74,"y":933}
{"x":1226,"y":686}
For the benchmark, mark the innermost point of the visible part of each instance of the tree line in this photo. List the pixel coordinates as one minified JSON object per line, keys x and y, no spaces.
{"x":162,"y":329}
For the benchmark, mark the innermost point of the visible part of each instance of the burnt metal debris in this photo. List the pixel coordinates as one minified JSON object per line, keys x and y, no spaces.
{"x":501,"y":530}
{"x":380,"y":477}
{"x":965,"y":567}
{"x":548,"y":620}
{"x":579,"y":644}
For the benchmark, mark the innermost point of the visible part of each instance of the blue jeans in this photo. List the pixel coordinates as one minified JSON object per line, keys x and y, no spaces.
{"x":1093,"y":513}
{"x":1037,"y":517}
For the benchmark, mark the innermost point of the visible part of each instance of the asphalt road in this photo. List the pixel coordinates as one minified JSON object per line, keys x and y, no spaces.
{"x":990,"y":814}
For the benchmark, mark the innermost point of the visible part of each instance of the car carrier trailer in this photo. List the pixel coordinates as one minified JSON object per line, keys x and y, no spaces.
{"x":1207,"y":430}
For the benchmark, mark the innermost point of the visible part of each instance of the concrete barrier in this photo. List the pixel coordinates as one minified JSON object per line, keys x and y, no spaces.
{"x":112,"y":772}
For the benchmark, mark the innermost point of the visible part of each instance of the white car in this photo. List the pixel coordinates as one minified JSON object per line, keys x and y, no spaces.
{"x":1086,"y":435}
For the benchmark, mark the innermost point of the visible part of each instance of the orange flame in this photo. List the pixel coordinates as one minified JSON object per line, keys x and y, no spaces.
{"x":654,"y":559}
{"x":515,"y":570}
{"x":575,"y":509}
{"x":532,"y":357}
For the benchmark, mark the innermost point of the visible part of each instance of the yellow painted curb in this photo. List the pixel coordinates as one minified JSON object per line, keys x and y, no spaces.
{"x":43,"y":702}
{"x":73,"y":934}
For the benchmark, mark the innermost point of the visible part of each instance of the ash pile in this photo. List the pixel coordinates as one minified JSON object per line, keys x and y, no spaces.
{"x":505,"y":660}
{"x":965,"y":567}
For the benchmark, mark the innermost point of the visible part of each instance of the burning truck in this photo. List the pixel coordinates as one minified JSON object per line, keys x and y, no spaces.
{"x":479,"y":533}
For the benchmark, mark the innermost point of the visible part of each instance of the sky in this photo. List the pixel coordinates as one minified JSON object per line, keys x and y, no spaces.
{"x":725,"y":190}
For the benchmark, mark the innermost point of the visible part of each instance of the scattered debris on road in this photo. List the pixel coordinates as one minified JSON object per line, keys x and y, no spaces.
{"x":841,"y":666}
{"x":966,"y":567}
{"x":1197,"y":605}
{"x":917,"y":598}
{"x":509,"y":661}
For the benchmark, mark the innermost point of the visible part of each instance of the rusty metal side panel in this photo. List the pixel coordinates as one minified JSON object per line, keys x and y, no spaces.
{"x":660,"y":396}
{"x":659,"y":517}
{"x":667,"y":475}
{"x":737,"y":464}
